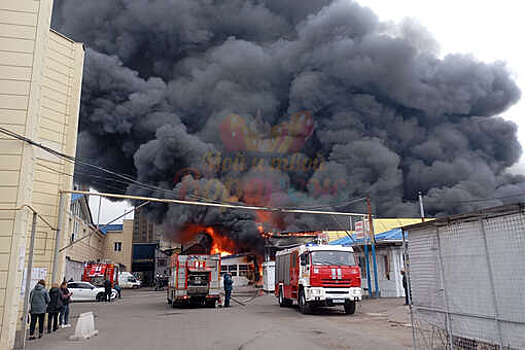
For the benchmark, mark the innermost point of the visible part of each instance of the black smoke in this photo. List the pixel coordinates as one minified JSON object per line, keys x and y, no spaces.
{"x":391,"y":117}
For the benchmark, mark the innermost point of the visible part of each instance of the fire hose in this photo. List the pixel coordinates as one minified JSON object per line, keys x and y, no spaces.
{"x":243,"y":304}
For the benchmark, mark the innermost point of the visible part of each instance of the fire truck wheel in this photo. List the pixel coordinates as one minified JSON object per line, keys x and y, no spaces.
{"x":281,"y":297}
{"x":304,"y":307}
{"x":283,"y":302}
{"x":350,"y":307}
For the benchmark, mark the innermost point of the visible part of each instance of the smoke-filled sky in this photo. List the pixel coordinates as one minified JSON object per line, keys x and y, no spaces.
{"x":287,"y":104}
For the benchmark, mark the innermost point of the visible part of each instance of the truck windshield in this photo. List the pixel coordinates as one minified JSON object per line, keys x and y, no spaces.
{"x":333,"y":257}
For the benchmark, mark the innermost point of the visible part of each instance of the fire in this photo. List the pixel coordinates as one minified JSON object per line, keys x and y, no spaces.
{"x":220,"y":244}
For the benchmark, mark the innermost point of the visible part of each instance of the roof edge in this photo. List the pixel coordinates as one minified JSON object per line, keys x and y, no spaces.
{"x":501,"y":210}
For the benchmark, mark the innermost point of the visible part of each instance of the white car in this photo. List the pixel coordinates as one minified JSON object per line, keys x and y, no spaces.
{"x":85,"y":291}
{"x":127,"y":280}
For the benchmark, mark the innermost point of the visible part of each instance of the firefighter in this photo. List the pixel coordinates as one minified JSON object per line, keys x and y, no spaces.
{"x":228,"y":286}
{"x":107,"y":290}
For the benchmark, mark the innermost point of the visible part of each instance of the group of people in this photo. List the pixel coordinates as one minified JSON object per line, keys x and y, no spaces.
{"x":54,"y":302}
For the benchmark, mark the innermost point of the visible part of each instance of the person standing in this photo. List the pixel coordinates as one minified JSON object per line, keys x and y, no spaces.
{"x":228,"y":287}
{"x":38,"y":300}
{"x":118,"y":289}
{"x":405,"y":285}
{"x":107,"y":290}
{"x":66,"y":298}
{"x":54,"y":307}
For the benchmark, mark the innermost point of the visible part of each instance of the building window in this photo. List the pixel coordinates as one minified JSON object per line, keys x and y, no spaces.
{"x":117,"y":246}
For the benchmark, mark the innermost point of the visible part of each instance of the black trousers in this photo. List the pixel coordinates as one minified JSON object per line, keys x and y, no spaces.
{"x":107,"y":295}
{"x":227,"y":296}
{"x":32,"y":325}
{"x":52,"y":316}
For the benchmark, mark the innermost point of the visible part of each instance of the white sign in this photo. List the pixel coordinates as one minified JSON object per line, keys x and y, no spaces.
{"x":361,"y":229}
{"x":38,"y":273}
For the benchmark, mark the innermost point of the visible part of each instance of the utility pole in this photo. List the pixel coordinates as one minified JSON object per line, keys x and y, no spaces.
{"x":373,"y":243}
{"x":421,"y":209}
{"x":98,"y":215}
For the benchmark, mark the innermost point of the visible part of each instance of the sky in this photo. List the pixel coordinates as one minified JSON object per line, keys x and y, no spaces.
{"x":489,"y":30}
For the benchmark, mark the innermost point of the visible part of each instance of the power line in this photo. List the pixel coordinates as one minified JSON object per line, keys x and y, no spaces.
{"x":166,"y":200}
{"x":130,"y":180}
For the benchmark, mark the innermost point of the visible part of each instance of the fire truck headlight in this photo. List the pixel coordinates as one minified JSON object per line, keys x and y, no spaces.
{"x":316,"y":291}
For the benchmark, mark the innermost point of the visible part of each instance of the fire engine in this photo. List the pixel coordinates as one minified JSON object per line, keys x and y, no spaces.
{"x":97,"y":273}
{"x":195,"y":274}
{"x":318,"y":275}
{"x":194,"y":279}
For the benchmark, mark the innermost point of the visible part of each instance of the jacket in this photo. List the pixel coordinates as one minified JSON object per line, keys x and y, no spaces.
{"x":228,"y":282}
{"x":107,"y":285}
{"x":66,"y":295}
{"x":38,"y":300}
{"x":55,"y":303}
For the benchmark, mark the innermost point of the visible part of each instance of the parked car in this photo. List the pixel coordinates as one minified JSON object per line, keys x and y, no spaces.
{"x":127,"y":280}
{"x":85,"y":291}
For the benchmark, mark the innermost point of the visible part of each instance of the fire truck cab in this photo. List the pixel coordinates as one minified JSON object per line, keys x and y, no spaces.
{"x":97,"y":273}
{"x":318,"y":275}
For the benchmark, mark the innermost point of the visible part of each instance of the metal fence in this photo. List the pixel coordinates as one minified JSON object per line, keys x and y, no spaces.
{"x":467,"y":280}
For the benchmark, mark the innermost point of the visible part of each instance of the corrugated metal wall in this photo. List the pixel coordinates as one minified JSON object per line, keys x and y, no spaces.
{"x":468,"y":282}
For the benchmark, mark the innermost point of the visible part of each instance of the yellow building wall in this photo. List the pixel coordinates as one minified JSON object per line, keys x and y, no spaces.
{"x":59,"y":106}
{"x":126,"y":237}
{"x":40,"y":79}
{"x":380,"y":225}
{"x":87,"y":249}
{"x":24,"y":26}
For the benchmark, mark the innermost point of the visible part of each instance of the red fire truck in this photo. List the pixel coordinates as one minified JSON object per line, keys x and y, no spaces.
{"x":194,"y":279}
{"x":97,"y":273}
{"x":317,"y":275}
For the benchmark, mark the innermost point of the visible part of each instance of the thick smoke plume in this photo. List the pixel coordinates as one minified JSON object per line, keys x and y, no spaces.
{"x":301,"y":103}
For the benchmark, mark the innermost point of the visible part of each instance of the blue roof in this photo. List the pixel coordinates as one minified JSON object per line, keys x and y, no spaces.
{"x":76,"y":196}
{"x":112,"y":227}
{"x":392,"y":235}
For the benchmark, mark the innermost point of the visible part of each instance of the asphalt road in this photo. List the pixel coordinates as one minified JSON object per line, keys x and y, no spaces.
{"x":143,"y":320}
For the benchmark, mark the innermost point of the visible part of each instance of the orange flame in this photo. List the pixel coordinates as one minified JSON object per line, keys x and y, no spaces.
{"x":220,"y":244}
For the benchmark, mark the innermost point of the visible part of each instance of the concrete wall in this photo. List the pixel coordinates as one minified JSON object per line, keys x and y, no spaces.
{"x":125,"y":237}
{"x":40,"y":79}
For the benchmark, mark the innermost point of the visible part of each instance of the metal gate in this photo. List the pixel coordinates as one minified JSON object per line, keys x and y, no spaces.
{"x":467,"y":280}
{"x":74,"y":270}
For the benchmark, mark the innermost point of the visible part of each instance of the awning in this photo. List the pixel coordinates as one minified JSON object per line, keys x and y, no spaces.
{"x":394,"y":235}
